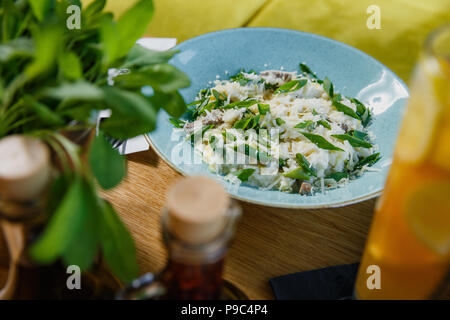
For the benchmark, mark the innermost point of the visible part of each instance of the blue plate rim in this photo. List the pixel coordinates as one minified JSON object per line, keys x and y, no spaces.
{"x":372,"y":195}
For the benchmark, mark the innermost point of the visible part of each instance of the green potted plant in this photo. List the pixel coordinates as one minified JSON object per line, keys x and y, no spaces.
{"x":53,"y":79}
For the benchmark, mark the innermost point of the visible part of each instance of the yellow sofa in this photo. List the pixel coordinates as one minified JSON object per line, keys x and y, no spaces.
{"x":403,"y":23}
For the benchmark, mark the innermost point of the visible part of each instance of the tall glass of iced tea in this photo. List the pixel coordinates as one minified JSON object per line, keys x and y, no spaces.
{"x":407,"y":254}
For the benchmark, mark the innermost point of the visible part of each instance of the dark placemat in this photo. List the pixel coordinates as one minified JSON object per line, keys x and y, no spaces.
{"x":331,"y":283}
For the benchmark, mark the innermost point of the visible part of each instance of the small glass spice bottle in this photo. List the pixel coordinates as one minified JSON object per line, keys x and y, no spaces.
{"x":198,"y":224}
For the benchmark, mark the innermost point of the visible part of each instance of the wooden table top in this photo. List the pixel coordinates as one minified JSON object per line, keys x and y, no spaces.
{"x":269,"y":242}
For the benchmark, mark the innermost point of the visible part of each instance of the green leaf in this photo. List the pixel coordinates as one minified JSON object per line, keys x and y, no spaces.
{"x":291,"y":86}
{"x":365,"y":118}
{"x":362,"y":111}
{"x":218,"y":95}
{"x":244,"y":174}
{"x":279,"y":121}
{"x":172,"y":102}
{"x":239,"y":77}
{"x":305,"y":165}
{"x":80,"y":112}
{"x":133,"y":24}
{"x":369,"y":161}
{"x":80,"y":90}
{"x":83,"y":249}
{"x":161,"y":77}
{"x":263,"y":108}
{"x":328,"y":87}
{"x":46,"y":41}
{"x":241,"y":104}
{"x":95,"y":7}
{"x":117,"y":245}
{"x":360,"y":108}
{"x":139,"y":56}
{"x":65,"y":223}
{"x":109,"y":40}
{"x":107,"y":164}
{"x":320,"y":141}
{"x":132,"y":114}
{"x":242,"y":124}
{"x":305,"y":69}
{"x":41,"y":8}
{"x":346,"y":110}
{"x":358,"y":134}
{"x":255,"y":121}
{"x":338,"y":176}
{"x":305,"y":124}
{"x":282,"y":163}
{"x":297,"y":173}
{"x":354,"y":141}
{"x":177,"y":123}
{"x":70,"y":65}
{"x":194,"y":103}
{"x":45,"y":114}
{"x":324,"y":123}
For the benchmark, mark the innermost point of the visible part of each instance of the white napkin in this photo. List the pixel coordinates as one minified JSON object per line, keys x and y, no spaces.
{"x":140,"y":143}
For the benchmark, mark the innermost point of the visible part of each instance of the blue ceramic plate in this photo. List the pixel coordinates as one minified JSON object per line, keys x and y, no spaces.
{"x":352,"y":72}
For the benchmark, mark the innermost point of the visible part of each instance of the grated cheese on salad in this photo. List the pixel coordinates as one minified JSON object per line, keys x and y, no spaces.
{"x":288,"y":131}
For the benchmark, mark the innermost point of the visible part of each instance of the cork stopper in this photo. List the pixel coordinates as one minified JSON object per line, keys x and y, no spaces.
{"x":24,"y":167}
{"x":197,"y":209}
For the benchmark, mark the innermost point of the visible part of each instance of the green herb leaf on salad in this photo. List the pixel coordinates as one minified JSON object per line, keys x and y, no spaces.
{"x":346,"y":110}
{"x":297,"y":173}
{"x":282,"y":163}
{"x":177,"y":123}
{"x":241,"y":104}
{"x":291,"y":86}
{"x":304,"y":163}
{"x":328,"y":87}
{"x":305,"y":124}
{"x":320,"y":141}
{"x":337,"y":176}
{"x":324,"y":123}
{"x":263,"y":108}
{"x":358,"y":134}
{"x":362,"y":111}
{"x":255,"y":122}
{"x":369,"y":161}
{"x":242,"y":123}
{"x":279,"y":121}
{"x":239,"y":77}
{"x":244,"y":174}
{"x":354,"y":141}
{"x":305,"y":69}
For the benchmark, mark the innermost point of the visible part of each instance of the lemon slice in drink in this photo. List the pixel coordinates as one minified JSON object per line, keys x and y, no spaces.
{"x":424,"y":108}
{"x":427,"y":211}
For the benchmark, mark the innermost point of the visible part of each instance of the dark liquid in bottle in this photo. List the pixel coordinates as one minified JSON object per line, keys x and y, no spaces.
{"x":196,"y":282}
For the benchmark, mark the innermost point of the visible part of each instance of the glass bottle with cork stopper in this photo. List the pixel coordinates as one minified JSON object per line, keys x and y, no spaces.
{"x":198,"y":224}
{"x":26,"y":171}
